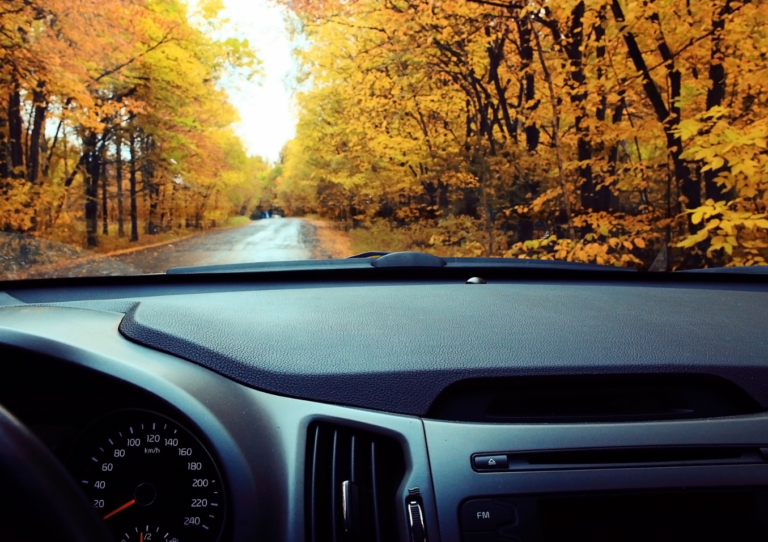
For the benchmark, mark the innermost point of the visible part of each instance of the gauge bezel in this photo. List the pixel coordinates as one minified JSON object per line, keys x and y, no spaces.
{"x":78,"y":443}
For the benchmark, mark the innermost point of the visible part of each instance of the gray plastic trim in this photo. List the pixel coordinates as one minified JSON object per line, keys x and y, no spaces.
{"x":8,"y":300}
{"x":259,"y":438}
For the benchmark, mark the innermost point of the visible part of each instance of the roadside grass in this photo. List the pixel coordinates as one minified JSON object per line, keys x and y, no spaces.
{"x":74,"y":235}
{"x":381,"y":237}
{"x":235,"y":221}
{"x":332,"y":240}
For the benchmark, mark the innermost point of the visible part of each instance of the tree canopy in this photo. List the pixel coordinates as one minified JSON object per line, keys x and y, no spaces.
{"x":588,"y":130}
{"x":113,"y":122}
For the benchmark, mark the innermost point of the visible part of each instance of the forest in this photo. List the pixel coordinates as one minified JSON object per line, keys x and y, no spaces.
{"x":114,"y":128}
{"x":603,"y":131}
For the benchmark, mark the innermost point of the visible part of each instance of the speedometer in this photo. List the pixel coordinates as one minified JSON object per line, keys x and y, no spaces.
{"x":150,"y":479}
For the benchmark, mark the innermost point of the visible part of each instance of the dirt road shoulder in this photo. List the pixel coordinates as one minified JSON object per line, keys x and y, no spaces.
{"x":327,"y":240}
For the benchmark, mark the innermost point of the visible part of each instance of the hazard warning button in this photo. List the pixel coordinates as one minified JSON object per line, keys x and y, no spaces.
{"x":490,"y":462}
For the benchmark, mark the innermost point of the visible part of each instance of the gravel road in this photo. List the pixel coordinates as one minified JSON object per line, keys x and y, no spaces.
{"x":269,"y":240}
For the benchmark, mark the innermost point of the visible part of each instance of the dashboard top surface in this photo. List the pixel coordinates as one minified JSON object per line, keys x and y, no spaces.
{"x":396,"y":347}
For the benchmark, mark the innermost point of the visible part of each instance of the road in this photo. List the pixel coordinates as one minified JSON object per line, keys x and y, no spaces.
{"x":270,"y":240}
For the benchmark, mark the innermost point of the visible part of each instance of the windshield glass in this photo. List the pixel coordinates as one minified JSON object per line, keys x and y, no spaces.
{"x":142,"y":135}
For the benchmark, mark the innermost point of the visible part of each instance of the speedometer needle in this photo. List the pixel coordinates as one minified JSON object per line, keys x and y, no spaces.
{"x":126,"y":505}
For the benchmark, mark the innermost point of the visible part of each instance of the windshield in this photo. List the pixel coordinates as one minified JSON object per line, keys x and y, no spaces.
{"x":142,"y":135}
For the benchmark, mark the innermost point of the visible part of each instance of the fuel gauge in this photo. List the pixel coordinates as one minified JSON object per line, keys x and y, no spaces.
{"x":148,"y":533}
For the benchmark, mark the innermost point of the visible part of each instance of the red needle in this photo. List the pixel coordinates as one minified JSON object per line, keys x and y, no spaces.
{"x":113,"y":512}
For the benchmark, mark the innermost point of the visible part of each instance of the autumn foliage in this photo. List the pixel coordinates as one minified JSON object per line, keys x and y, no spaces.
{"x":593,"y":130}
{"x":111,"y":122}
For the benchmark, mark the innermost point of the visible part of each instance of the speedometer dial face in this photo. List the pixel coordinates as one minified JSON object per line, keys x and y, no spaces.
{"x":150,"y":479}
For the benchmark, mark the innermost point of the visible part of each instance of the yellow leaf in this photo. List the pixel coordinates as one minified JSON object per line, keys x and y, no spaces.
{"x":688,"y":242}
{"x":689,"y":128}
{"x":640,"y":243}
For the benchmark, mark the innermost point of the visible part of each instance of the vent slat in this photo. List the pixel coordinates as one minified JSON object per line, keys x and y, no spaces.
{"x":374,"y":489}
{"x":370,"y":467}
{"x":314,"y":486}
{"x":334,"y":488}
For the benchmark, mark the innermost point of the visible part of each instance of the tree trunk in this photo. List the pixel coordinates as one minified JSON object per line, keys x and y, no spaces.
{"x":716,"y":95}
{"x":15,"y":134}
{"x":38,"y":128}
{"x":5,"y":168}
{"x":132,"y":189}
{"x":163,"y":207}
{"x":119,"y":183}
{"x":601,"y":194}
{"x":91,"y":186}
{"x":531,"y":104}
{"x":613,"y":154}
{"x":495,"y":56}
{"x":104,"y":202}
{"x":152,"y":192}
{"x":574,"y":49}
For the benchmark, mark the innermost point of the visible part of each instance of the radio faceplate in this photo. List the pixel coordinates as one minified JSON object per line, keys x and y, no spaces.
{"x":545,"y":492}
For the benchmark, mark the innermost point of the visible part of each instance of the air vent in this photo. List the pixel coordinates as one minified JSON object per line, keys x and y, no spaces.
{"x":352,"y":479}
{"x":592,"y":398}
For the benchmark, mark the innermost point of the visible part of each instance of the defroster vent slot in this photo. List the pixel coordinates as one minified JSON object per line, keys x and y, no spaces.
{"x":592,"y":399}
{"x":352,"y":478}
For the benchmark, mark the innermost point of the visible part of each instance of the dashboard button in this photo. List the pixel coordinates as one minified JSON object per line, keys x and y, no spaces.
{"x":485,"y":515}
{"x":491,"y":462}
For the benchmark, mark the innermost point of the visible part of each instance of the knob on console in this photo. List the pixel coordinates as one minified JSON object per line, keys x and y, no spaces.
{"x":416,"y":522}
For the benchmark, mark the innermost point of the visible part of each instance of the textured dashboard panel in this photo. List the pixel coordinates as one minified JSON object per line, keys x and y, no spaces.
{"x":395,"y":347}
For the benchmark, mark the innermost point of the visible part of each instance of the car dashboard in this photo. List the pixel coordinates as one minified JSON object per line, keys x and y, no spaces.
{"x":410,"y":408}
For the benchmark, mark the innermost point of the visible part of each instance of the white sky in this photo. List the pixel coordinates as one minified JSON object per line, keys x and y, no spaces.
{"x":265,"y":104}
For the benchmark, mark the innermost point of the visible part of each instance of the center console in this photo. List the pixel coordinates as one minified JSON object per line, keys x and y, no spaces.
{"x":622,"y":458}
{"x":698,"y":480}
